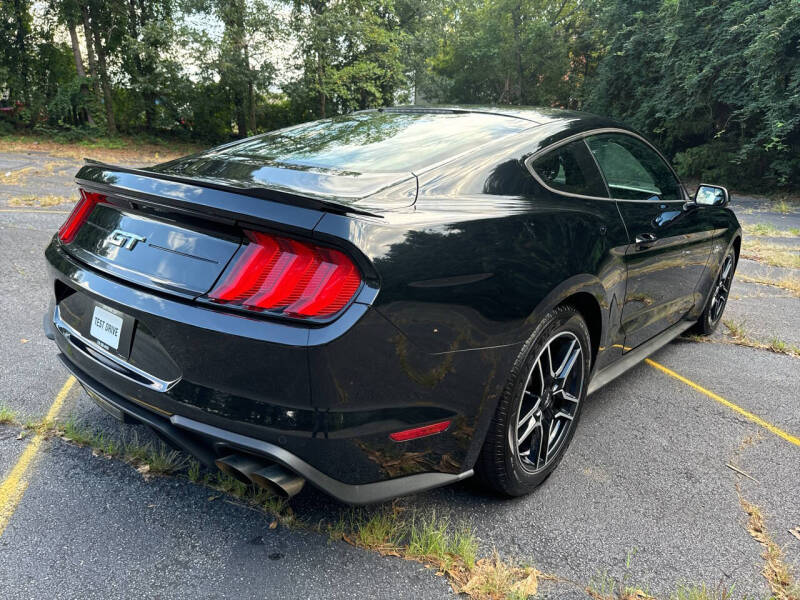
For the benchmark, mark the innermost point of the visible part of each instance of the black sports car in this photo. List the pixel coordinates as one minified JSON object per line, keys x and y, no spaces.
{"x":388,"y":301}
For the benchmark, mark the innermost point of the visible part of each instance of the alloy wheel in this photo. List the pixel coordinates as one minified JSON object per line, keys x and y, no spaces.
{"x":549,"y":402}
{"x":720,"y":296}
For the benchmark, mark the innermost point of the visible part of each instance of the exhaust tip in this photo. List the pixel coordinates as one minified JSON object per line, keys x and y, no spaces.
{"x":239,"y":466}
{"x":278,"y":480}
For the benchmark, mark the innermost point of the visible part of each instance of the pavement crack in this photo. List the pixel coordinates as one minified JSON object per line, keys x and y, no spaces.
{"x":776,"y":571}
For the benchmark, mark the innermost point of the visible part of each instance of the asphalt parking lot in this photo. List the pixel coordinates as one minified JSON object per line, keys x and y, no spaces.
{"x":654,"y":491}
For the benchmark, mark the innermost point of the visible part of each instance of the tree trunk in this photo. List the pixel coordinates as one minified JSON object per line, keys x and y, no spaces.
{"x":135,"y":19}
{"x":517,"y":22}
{"x":20,"y":11}
{"x":76,"y":52}
{"x":87,"y":34}
{"x":319,"y":86}
{"x":111,"y":124}
{"x":241,"y":113}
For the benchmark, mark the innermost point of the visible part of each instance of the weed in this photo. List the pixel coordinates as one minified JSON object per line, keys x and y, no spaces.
{"x":778,"y":345}
{"x":702,"y":592}
{"x":735,"y":328}
{"x":229,"y":485}
{"x":782,"y":206}
{"x":381,"y":532}
{"x":495,"y":579}
{"x":777,"y":573}
{"x":193,"y":471}
{"x":431,"y":541}
{"x":7,"y":416}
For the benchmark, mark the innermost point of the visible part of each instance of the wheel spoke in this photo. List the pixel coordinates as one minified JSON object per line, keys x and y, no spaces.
{"x":726,"y":269}
{"x":569,"y":397}
{"x":567,"y":356}
{"x":569,"y":362}
{"x":529,"y":414}
{"x":533,"y":423}
{"x":544,"y":447}
{"x":550,"y":361}
{"x":541,"y":376}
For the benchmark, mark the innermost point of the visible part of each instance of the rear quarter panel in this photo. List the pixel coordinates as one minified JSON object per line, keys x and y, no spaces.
{"x":465,"y":276}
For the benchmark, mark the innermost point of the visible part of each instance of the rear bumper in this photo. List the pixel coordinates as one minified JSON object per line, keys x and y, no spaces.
{"x":322,"y":401}
{"x":206,"y":442}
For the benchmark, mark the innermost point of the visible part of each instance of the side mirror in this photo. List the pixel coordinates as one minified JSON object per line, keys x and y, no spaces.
{"x":711,"y":195}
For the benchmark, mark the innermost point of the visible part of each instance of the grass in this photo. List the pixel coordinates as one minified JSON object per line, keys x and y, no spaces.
{"x":495,"y":579}
{"x":430,"y":541}
{"x":769,"y":230}
{"x":40,"y":201}
{"x":158,"y":458}
{"x":782,"y":206}
{"x":7,"y":416}
{"x":736,"y":328}
{"x":778,"y":574}
{"x":702,"y":592}
{"x":120,"y":149}
{"x":790,"y":284}
{"x":739,"y":336}
{"x":433,"y":541}
{"x":16,"y":177}
{"x":776,"y":255}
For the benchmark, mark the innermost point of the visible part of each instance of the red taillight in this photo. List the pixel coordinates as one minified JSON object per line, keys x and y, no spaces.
{"x":78,"y":216}
{"x":289,"y":277}
{"x":418,"y":432}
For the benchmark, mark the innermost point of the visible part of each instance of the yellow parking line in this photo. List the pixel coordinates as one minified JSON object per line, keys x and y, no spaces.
{"x":734,"y":407}
{"x":14,"y":485}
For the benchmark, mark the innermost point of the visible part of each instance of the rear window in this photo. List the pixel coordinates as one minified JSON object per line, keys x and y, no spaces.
{"x":570,"y":168}
{"x":377,"y":142}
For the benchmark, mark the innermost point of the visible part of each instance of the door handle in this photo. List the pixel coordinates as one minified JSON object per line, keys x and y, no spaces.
{"x":645,"y":240}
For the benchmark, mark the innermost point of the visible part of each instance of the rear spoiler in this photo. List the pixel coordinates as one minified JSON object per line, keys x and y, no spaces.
{"x":101,"y":175}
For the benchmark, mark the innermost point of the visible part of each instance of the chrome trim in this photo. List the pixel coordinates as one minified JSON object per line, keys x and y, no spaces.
{"x":69,"y":333}
{"x":583,"y":135}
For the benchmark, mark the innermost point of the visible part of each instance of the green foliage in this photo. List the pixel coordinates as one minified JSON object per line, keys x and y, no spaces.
{"x":349,"y":55}
{"x":718,"y":83}
{"x":715,"y":84}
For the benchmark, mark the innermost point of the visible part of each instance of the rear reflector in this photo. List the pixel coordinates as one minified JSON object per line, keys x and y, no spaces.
{"x":418,"y":432}
{"x":288,"y":277}
{"x":78,"y":216}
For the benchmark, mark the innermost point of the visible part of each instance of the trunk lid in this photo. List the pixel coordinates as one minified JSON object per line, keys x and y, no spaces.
{"x":154,"y":253}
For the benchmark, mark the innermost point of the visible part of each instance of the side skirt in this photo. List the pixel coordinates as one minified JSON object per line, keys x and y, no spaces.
{"x":637,"y":355}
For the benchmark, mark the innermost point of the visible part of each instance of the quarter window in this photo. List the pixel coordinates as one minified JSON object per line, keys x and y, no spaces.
{"x":570,"y":168}
{"x":633,"y":170}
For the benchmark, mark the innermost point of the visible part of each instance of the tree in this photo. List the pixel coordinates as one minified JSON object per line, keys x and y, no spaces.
{"x":511,"y":51}
{"x":231,"y":59}
{"x":349,"y":55}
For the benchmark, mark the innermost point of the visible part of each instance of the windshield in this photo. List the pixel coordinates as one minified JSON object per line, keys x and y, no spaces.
{"x":374,"y":142}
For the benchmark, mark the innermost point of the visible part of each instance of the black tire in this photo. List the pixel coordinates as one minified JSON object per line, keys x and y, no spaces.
{"x":718,"y":298}
{"x":503,"y":464}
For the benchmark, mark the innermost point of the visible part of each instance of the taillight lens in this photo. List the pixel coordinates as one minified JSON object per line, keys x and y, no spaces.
{"x":284,"y":276}
{"x":78,"y":216}
{"x":418,"y":432}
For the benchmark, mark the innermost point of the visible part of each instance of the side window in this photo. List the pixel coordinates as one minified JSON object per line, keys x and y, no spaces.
{"x":633,"y":171}
{"x":570,"y":168}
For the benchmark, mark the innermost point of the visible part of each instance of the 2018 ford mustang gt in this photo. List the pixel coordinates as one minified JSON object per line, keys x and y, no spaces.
{"x":387,"y":301}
